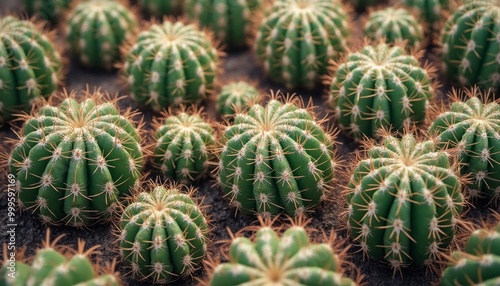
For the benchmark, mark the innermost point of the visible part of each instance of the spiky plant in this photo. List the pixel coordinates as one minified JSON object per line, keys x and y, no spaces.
{"x":236,"y":96}
{"x":297,"y":38}
{"x":380,"y":87}
{"x":276,"y":158}
{"x":171,"y":63}
{"x":404,"y":201}
{"x":96,"y":29}
{"x":430,"y":10}
{"x":30,"y":66}
{"x":49,"y":10}
{"x":160,"y":8}
{"x":74,"y":161}
{"x":163,"y":233}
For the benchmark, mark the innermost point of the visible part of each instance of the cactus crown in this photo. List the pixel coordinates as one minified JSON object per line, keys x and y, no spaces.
{"x":237,"y":97}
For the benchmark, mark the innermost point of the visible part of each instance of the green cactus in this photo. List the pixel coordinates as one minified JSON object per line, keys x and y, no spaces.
{"x":163,"y":234}
{"x":171,"y":63}
{"x":379,"y":87}
{"x":276,"y":158}
{"x":30,"y":66}
{"x":73,"y":162}
{"x":297,"y":38}
{"x":404,"y":201}
{"x":230,"y":20}
{"x":49,"y":10}
{"x":430,"y":10}
{"x":95,"y":31}
{"x":160,"y":8}
{"x":235,"y":97}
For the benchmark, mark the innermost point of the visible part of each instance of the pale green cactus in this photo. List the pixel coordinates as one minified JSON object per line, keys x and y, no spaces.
{"x":430,"y":10}
{"x":160,"y":8}
{"x":49,"y":10}
{"x":236,"y":97}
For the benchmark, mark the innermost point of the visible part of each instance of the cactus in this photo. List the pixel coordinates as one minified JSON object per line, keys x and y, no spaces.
{"x":171,"y":63}
{"x":472,"y":128}
{"x":49,"y":10}
{"x":95,"y":31}
{"x":297,"y":38}
{"x":30,"y":66}
{"x":404,"y":201}
{"x":430,"y":10}
{"x":379,"y":87}
{"x":163,"y":234}
{"x":160,"y":8}
{"x":73,"y":162}
{"x":276,"y":158}
{"x":472,"y":55}
{"x":235,"y":97}
{"x":230,"y":20}
{"x":183,"y":144}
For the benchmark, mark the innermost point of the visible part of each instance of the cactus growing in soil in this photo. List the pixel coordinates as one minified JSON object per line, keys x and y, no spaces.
{"x":380,"y":87}
{"x":96,"y":29}
{"x":163,"y":233}
{"x":30,"y":66}
{"x":171,"y":63}
{"x":404,"y":201}
{"x":431,"y":10}
{"x":49,"y":10}
{"x":235,"y":97}
{"x":276,"y":158}
{"x":297,"y":38}
{"x":160,"y":8}
{"x":74,"y":161}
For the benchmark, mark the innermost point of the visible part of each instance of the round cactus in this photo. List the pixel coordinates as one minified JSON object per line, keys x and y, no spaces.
{"x":160,"y":8}
{"x":171,"y":63}
{"x":183,"y":144}
{"x":472,"y":55}
{"x":431,"y":10}
{"x":49,"y":10}
{"x":95,"y":31}
{"x":276,"y":158}
{"x":297,"y":38}
{"x":404,"y":201}
{"x":30,"y":66}
{"x":473,"y":129}
{"x":379,"y":87}
{"x":163,"y":234}
{"x":235,"y":97}
{"x":74,"y":162}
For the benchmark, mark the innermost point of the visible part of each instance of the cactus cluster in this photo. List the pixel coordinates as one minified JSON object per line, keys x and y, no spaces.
{"x":236,"y":97}
{"x":49,"y":10}
{"x":160,"y":8}
{"x":430,"y":10}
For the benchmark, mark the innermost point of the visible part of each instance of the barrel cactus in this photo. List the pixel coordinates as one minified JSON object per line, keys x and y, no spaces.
{"x":171,"y":63}
{"x":276,"y":158}
{"x":297,"y":38}
{"x":30,"y":66}
{"x":430,"y":10}
{"x":160,"y":8}
{"x":235,"y":97}
{"x":379,"y":87}
{"x":49,"y":10}
{"x":74,"y":161}
{"x":96,"y":29}
{"x":404,"y":201}
{"x":163,"y":234}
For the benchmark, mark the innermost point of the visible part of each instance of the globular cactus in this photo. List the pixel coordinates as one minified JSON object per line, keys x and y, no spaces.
{"x":30,"y":66}
{"x":379,"y":87}
{"x":404,"y":201}
{"x":96,"y":29}
{"x":163,"y":234}
{"x":276,"y":158}
{"x":235,"y":97}
{"x":430,"y":10}
{"x":472,"y":128}
{"x":297,"y":38}
{"x":183,"y":145}
{"x":472,"y":55}
{"x":74,"y":161}
{"x":171,"y":63}
{"x":49,"y":10}
{"x":230,"y":20}
{"x":160,"y":8}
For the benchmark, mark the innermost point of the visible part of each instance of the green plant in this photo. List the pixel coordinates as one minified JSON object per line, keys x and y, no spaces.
{"x":430,"y":10}
{"x":404,"y":201}
{"x":30,"y":66}
{"x":50,"y":10}
{"x":163,"y":233}
{"x":297,"y":38}
{"x":74,"y":161}
{"x":171,"y":63}
{"x":380,"y":87}
{"x":96,"y":29}
{"x":160,"y":8}
{"x":235,"y":97}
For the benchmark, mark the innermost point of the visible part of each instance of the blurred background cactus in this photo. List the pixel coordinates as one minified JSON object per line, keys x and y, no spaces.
{"x":49,"y":10}
{"x":160,"y":8}
{"x":236,"y":97}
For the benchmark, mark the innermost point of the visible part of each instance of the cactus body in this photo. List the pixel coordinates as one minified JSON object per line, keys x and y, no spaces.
{"x":379,"y":87}
{"x":30,"y":66}
{"x":297,"y":38}
{"x":49,"y":10}
{"x":431,"y":10}
{"x":160,"y":8}
{"x":95,"y":31}
{"x":404,"y":200}
{"x":236,"y":96}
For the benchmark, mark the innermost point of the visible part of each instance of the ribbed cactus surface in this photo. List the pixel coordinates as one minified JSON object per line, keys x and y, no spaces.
{"x":160,"y":8}
{"x":49,"y":10}
{"x":430,"y":10}
{"x":236,"y":96}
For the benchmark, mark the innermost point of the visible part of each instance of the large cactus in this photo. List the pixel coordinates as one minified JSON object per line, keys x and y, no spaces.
{"x":297,"y":38}
{"x":430,"y":10}
{"x":236,"y":96}
{"x":379,"y":87}
{"x":30,"y":66}
{"x":49,"y":10}
{"x":74,"y":161}
{"x":160,"y":8}
{"x":404,"y":201}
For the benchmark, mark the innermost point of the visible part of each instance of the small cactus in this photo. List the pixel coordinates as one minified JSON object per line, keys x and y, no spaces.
{"x":49,"y":10}
{"x":163,"y":234}
{"x":74,"y":161}
{"x":30,"y":66}
{"x":235,"y":97}
{"x":430,"y":10}
{"x":95,"y":31}
{"x":297,"y":38}
{"x":379,"y":87}
{"x":171,"y":63}
{"x":160,"y":8}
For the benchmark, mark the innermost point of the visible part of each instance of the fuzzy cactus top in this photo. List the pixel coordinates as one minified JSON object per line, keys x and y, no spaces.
{"x":236,"y":97}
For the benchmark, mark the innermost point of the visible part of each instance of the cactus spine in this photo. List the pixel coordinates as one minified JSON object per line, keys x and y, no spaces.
{"x":160,"y":8}
{"x":50,"y":10}
{"x":235,"y":97}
